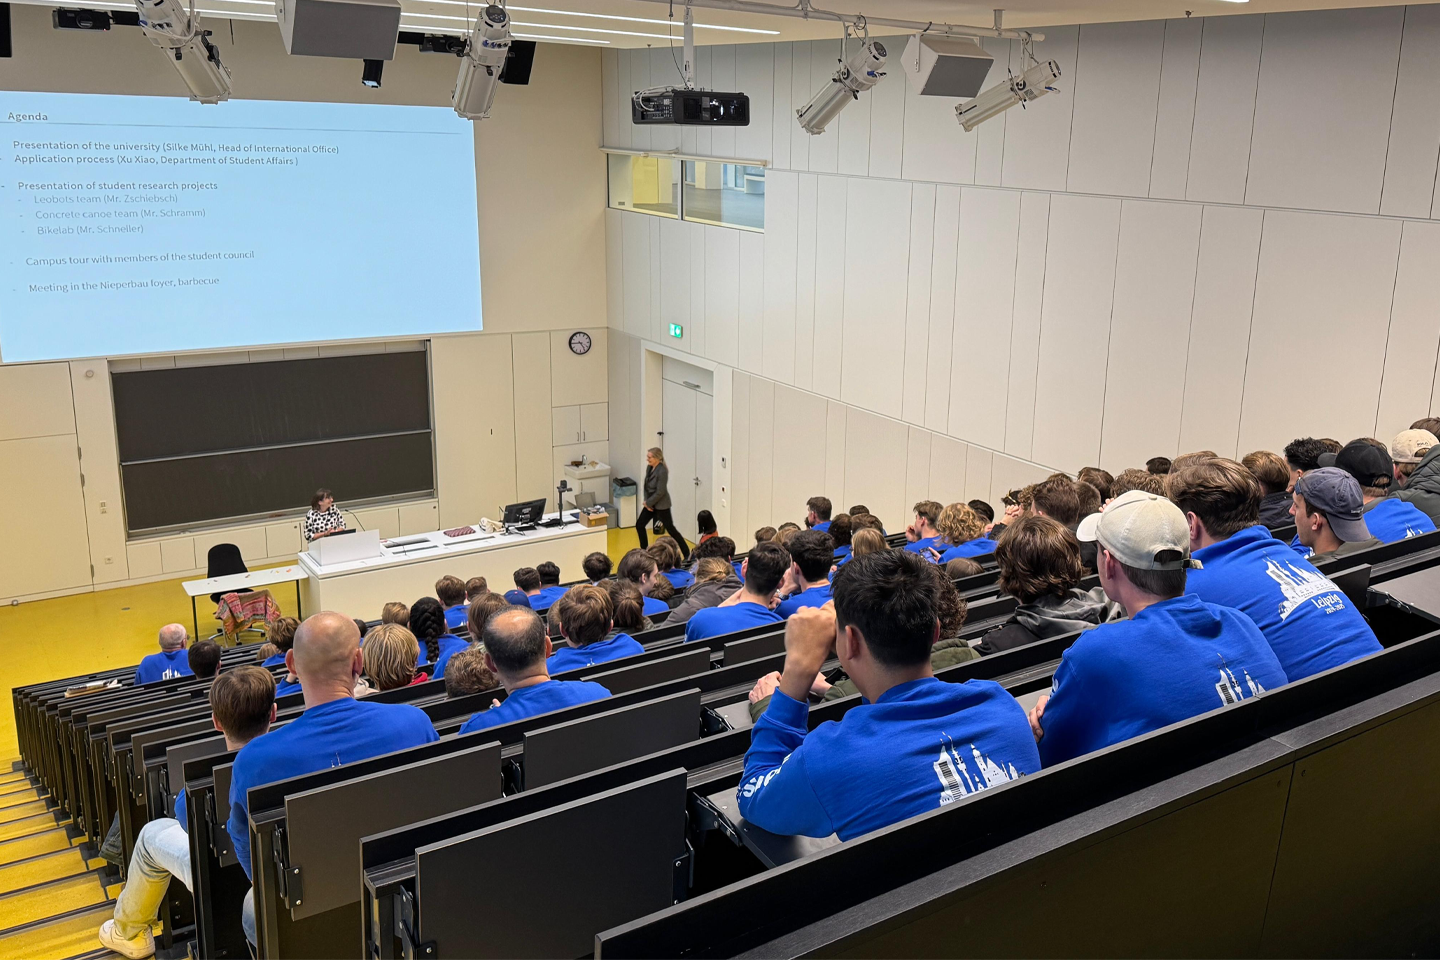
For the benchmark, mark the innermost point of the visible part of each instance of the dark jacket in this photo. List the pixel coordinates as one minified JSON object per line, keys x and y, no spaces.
{"x":1423,"y":487}
{"x":657,"y":487}
{"x":945,"y":653}
{"x":1052,"y":616}
{"x":1345,"y":550}
{"x":700,"y":595}
{"x":1275,"y":510}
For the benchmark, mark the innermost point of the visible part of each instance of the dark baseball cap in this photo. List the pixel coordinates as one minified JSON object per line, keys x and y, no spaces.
{"x":1367,"y":463}
{"x":1336,"y":494}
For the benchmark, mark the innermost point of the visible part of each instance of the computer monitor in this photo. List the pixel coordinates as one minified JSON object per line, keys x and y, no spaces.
{"x":529,"y":512}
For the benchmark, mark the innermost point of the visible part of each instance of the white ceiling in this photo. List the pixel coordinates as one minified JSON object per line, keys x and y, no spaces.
{"x":622,"y":23}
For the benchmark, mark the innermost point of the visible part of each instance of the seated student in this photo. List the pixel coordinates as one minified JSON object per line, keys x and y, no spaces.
{"x":431,"y":628}
{"x":1388,"y":519}
{"x":482,"y":608}
{"x":1301,"y":454}
{"x":763,"y":535}
{"x":1039,"y":561}
{"x":947,"y":651}
{"x":597,"y":566}
{"x":362,"y":626}
{"x":750,"y":606}
{"x":817,"y":514}
{"x":1407,"y":450}
{"x":715,"y":581}
{"x":391,"y":654}
{"x":586,"y":620}
{"x":204,"y":659}
{"x":268,"y":651}
{"x":627,"y":607}
{"x":879,"y":764}
{"x":466,"y":673}
{"x":667,"y":560}
{"x":550,"y":589}
{"x":242,"y":707}
{"x":1176,"y":656}
{"x":1422,"y":487}
{"x":1274,"y":478}
{"x":840,"y":531}
{"x":1329,"y":515}
{"x":1158,"y":466}
{"x":516,"y":648}
{"x":527,"y":585}
{"x":962,"y":567}
{"x":392,"y":612}
{"x":962,"y":534}
{"x":1097,"y":478}
{"x":859,"y":509}
{"x":451,"y":591}
{"x":474,"y":588}
{"x":1308,"y":622}
{"x":807,"y":582}
{"x":335,"y":728}
{"x":170,"y":662}
{"x":661,"y":589}
{"x":984,"y":511}
{"x":922,"y":533}
{"x":1089,"y":496}
{"x":784,"y":532}
{"x":705,"y":526}
{"x":640,"y":568}
{"x":865,"y":541}
{"x":1134,"y":479}
{"x":1056,"y":497}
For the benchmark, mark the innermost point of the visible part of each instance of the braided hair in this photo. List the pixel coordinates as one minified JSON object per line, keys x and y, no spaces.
{"x":427,"y":622}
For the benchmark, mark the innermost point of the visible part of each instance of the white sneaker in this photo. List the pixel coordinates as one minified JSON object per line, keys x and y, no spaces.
{"x":135,"y":948}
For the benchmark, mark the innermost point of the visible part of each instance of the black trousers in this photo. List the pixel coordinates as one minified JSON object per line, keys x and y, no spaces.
{"x":642,"y":526}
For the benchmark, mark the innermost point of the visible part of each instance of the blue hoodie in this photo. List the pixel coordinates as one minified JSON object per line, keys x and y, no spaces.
{"x":602,"y":651}
{"x":816,"y":596}
{"x":1392,"y":519}
{"x":679,"y":579}
{"x":715,"y":621}
{"x":978,"y":547}
{"x":923,"y":546}
{"x":449,"y":646}
{"x":329,"y":735}
{"x":1174,"y":660}
{"x":1308,"y":622}
{"x":456,"y":616}
{"x":165,"y":665}
{"x":535,"y":700}
{"x":547,"y":596}
{"x":922,"y":745}
{"x":275,"y":661}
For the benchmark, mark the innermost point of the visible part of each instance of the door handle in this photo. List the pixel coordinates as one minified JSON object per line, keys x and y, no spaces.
{"x":697,"y":481}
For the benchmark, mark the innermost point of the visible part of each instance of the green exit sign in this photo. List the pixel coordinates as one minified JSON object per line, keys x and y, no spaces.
{"x":677,"y":331}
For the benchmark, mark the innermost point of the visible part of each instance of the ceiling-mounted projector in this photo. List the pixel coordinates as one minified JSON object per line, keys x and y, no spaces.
{"x":350,"y":29}
{"x":690,"y":107}
{"x":946,"y":66}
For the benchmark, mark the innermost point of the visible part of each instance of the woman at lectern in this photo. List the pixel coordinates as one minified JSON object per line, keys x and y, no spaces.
{"x":324,"y":517}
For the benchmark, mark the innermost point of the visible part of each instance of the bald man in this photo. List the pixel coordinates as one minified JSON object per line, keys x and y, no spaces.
{"x":335,"y":728}
{"x":171,"y":661}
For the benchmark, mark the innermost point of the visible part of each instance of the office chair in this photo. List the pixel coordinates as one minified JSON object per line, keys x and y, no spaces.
{"x":223,"y":560}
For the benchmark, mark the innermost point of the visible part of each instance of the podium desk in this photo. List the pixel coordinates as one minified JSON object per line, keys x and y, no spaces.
{"x":253,"y":580}
{"x":408,"y":566}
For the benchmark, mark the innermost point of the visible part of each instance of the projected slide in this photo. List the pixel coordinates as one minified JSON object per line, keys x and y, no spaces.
{"x":154,"y":224}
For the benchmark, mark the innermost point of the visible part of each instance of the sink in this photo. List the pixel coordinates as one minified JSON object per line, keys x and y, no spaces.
{"x":588,"y":471}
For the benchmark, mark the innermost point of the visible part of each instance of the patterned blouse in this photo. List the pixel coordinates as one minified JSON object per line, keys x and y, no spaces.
{"x":322,"y":521}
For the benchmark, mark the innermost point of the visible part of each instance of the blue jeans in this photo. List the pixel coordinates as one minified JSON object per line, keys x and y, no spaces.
{"x":162,"y":851}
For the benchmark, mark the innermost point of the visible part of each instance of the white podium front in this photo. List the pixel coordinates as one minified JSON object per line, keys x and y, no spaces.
{"x":361,"y":545}
{"x":406,"y":568}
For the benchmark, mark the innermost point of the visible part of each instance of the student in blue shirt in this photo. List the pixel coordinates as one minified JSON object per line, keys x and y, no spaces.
{"x":242,"y":707}
{"x":922,"y":534}
{"x":335,"y":728}
{"x":668,"y":560}
{"x":518,"y":598}
{"x":282,"y":634}
{"x":451,"y":591}
{"x":516,"y":648}
{"x":962,"y":534}
{"x":1329,"y":515}
{"x":1388,"y":518}
{"x":1310,"y":625}
{"x":527,"y":583}
{"x":587,"y":620}
{"x":840,"y":531}
{"x":817,"y":514}
{"x":597,"y":566}
{"x":913,"y":744}
{"x":437,"y":645}
{"x":550,"y":589}
{"x":807,"y":582}
{"x":170,"y":662}
{"x":1176,"y":656}
{"x":751,"y":605}
{"x":640,"y":568}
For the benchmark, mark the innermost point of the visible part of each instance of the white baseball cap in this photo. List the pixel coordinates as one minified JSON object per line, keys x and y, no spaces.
{"x":1141,"y":530}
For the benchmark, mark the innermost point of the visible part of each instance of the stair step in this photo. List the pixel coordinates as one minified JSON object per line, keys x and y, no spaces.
{"x":27,"y":826}
{"x":49,"y":899}
{"x":13,"y":776}
{"x":60,"y":938}
{"x":23,"y":810}
{"x":18,"y":797}
{"x":23,"y":848}
{"x":45,"y":867}
{"x":20,"y":786}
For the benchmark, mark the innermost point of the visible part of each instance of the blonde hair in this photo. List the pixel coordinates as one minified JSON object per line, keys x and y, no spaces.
{"x":395,"y":612}
{"x":959,"y":523}
{"x":391,"y":652}
{"x":657,"y":453}
{"x":712,"y":570}
{"x":867,"y":541}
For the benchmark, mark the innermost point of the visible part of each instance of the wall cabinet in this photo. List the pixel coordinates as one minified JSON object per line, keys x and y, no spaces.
{"x":580,"y":423}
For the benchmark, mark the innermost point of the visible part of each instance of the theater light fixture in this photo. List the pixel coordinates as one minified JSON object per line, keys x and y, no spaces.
{"x":481,"y":64}
{"x":857,"y":73}
{"x":1034,"y":82}
{"x":176,"y":31}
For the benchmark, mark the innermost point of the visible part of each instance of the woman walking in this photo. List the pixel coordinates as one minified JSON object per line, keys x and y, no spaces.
{"x":657,"y":502}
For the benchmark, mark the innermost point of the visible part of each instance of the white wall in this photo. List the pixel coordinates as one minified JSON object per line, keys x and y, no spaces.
{"x":1185,"y":248}
{"x":542,"y":252}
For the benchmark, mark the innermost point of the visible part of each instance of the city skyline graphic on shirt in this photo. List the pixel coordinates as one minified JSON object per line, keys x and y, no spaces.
{"x":955,"y":775}
{"x":1230,"y":689}
{"x":1297,"y":584}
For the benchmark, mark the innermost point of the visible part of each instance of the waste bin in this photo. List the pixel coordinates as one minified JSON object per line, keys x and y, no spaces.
{"x":623,"y":491}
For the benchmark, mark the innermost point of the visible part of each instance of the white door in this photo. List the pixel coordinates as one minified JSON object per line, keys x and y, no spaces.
{"x":704,"y":447}
{"x":677,"y":418}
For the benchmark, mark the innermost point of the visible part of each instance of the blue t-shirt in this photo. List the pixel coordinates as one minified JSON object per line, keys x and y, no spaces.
{"x":1174,"y":660}
{"x":922,"y":745}
{"x":274,"y":661}
{"x":1393,"y":519}
{"x":1308,"y":622}
{"x":809,"y":597}
{"x":449,"y":646}
{"x":652,"y":606}
{"x":456,"y":616}
{"x":714,"y":621}
{"x":823,"y":526}
{"x":517,"y":597}
{"x":180,"y":811}
{"x":547,"y":596}
{"x":285,"y":685}
{"x":978,"y":547}
{"x":842,"y":554}
{"x":922,"y":546}
{"x":603,"y":651}
{"x":679,"y":579}
{"x":533,"y":701}
{"x":330,"y":735}
{"x":164,"y":665}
